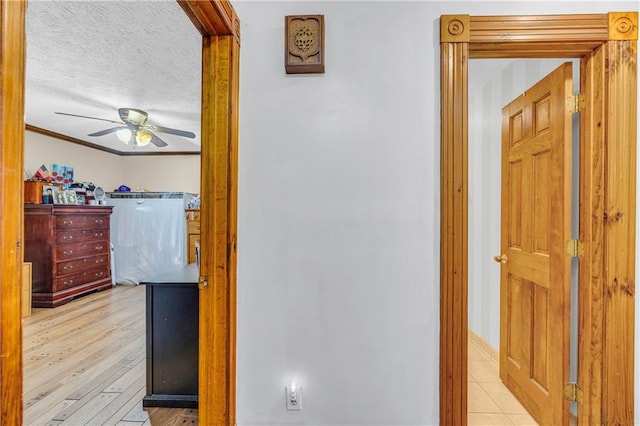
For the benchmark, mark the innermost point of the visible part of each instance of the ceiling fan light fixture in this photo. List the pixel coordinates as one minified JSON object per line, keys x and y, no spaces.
{"x":133,"y":116}
{"x":143,"y":137}
{"x":124,"y":135}
{"x":133,"y":130}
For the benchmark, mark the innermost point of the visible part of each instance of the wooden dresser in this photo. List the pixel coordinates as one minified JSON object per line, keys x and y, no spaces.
{"x":68,"y":247}
{"x":193,"y":233}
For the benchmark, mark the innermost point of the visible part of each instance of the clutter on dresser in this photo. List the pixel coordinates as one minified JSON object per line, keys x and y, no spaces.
{"x":44,"y":192}
{"x":51,"y":187}
{"x":194,"y":202}
{"x":40,"y":192}
{"x":62,"y":174}
{"x":58,"y":187}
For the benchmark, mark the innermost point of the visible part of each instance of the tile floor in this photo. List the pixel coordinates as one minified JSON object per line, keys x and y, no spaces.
{"x":489,"y":402}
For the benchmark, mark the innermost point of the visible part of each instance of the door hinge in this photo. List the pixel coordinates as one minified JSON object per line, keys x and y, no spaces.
{"x":575,"y":103}
{"x":574,"y":248}
{"x":203,"y":282}
{"x":572,"y":392}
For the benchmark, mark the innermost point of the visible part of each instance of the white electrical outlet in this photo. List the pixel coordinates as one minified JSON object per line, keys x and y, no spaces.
{"x":294,"y":397}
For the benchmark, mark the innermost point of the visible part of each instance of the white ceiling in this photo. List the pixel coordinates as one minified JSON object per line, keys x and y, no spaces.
{"x":92,"y":57}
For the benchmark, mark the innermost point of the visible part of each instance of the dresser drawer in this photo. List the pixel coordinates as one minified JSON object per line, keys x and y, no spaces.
{"x":193,"y":215}
{"x":80,"y":235}
{"x":71,"y":266}
{"x":83,"y":277}
{"x":82,"y":221}
{"x":193,"y":227}
{"x":75,"y":250}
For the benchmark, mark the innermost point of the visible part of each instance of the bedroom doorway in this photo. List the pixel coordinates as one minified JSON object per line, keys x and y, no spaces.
{"x":492,"y":83}
{"x":219,"y":26}
{"x":602,"y":168}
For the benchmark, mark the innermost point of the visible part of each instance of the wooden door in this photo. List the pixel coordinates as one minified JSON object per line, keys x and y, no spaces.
{"x":535,"y":228}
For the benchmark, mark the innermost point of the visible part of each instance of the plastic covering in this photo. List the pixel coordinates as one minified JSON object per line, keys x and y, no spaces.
{"x":148,"y":233}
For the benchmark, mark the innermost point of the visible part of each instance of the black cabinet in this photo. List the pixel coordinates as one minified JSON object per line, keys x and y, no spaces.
{"x":172,"y":339}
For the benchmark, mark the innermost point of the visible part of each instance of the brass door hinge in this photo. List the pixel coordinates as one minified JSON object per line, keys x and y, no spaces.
{"x":575,"y":103}
{"x":572,"y":392}
{"x":203,"y":282}
{"x":574,"y":248}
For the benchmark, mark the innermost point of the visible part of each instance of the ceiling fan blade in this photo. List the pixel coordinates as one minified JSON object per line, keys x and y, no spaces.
{"x":176,"y":132}
{"x":157,"y":141}
{"x":92,"y":118}
{"x":107,"y":131}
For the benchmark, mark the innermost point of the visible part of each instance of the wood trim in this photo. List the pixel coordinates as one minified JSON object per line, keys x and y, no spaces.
{"x":453,"y":242}
{"x":217,"y":379}
{"x":592,"y":151}
{"x":539,"y":36}
{"x":454,"y":29}
{"x":213,"y":17}
{"x":607,"y":270}
{"x":12,"y":69}
{"x":619,"y":232}
{"x":623,"y":26}
{"x":218,"y":23}
{"x":71,"y":139}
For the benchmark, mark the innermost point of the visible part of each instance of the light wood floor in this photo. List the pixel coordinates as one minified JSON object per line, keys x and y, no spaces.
{"x":84,"y":364}
{"x":489,"y":401}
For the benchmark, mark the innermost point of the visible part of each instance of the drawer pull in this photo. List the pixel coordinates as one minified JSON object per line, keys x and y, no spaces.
{"x":99,"y":260}
{"x":98,"y":221}
{"x":68,"y":268}
{"x":98,"y":248}
{"x":98,"y":234}
{"x":67,"y":237}
{"x":68,"y":222}
{"x":67,"y":253}
{"x":68,"y":282}
{"x":99,"y":274}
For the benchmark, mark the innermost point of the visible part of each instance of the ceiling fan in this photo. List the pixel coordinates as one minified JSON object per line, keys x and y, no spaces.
{"x":134,"y":128}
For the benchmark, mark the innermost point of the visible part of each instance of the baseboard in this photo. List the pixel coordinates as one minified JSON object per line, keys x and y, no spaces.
{"x":493,"y":353}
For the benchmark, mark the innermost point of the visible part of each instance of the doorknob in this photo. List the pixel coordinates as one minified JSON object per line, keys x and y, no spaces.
{"x":500,"y":259}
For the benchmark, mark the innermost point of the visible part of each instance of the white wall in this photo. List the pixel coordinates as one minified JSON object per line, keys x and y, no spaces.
{"x":163,"y":173}
{"x":153,"y":173}
{"x":338,"y":238}
{"x":338,"y":252}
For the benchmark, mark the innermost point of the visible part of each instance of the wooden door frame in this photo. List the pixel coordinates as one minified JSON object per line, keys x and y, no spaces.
{"x":220,"y":28}
{"x":607,"y":46}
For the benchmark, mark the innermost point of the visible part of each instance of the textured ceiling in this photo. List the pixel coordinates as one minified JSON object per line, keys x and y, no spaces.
{"x":93,"y":57}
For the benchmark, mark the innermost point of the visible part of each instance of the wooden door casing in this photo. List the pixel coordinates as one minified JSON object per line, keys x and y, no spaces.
{"x":536,"y":221}
{"x":220,"y":27}
{"x":12,"y":69}
{"x":607,"y":46}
